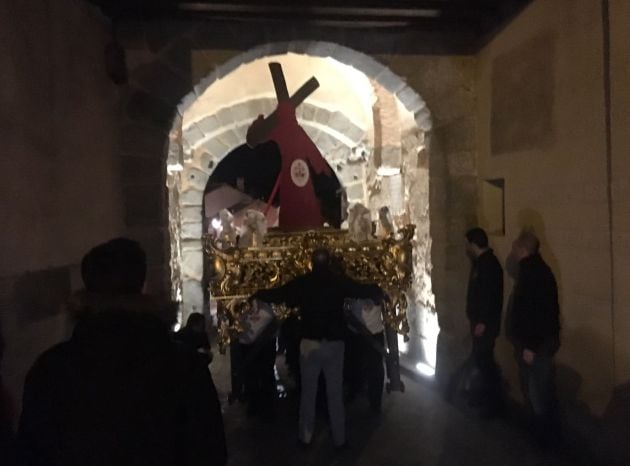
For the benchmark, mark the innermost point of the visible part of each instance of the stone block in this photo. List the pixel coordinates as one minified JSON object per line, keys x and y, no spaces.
{"x":370,"y":67}
{"x":192,"y":245}
{"x":193,"y":178}
{"x":423,"y":119}
{"x":231,"y":139}
{"x":298,"y":46}
{"x":192,"y":134}
{"x":186,"y":102}
{"x":192,"y":292}
{"x":339,"y":122}
{"x":191,"y":214}
{"x":411,"y":100}
{"x":209,"y":124}
{"x":229,"y":66}
{"x":325,"y":142}
{"x":322,"y":49}
{"x":322,"y":116}
{"x":201,"y":87}
{"x":216,"y":147}
{"x":191,"y":197}
{"x":207,"y":161}
{"x":243,"y":112}
{"x":354,"y":133}
{"x":192,"y":265}
{"x":308,"y":111}
{"x":191,"y":230}
{"x":390,"y":81}
{"x":225,"y":116}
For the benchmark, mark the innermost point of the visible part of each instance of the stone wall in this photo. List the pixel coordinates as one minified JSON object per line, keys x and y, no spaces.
{"x":60,"y":185}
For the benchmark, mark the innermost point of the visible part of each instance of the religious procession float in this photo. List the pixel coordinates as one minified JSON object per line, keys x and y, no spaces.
{"x":243,"y":259}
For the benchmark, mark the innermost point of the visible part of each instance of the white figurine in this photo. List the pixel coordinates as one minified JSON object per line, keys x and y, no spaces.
{"x":359,"y":222}
{"x":227,"y":232}
{"x":254,"y":229}
{"x":387,"y":224}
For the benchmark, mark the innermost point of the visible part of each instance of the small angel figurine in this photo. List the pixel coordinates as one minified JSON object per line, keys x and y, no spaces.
{"x":359,"y":222}
{"x":254,"y":229}
{"x":227,"y":232}
{"x":387,"y":224}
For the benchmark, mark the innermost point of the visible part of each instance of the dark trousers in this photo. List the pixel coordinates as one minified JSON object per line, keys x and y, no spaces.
{"x":479,"y":376}
{"x":488,"y":390}
{"x":539,"y":390}
{"x":364,"y":365}
{"x":256,"y":373}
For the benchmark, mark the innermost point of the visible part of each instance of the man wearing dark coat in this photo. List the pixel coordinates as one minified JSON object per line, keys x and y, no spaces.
{"x":484,"y":302}
{"x":120,"y":391}
{"x":533,"y":327}
{"x":319,"y":296}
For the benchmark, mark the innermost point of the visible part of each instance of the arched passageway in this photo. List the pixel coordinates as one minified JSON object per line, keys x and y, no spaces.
{"x":371,"y":128}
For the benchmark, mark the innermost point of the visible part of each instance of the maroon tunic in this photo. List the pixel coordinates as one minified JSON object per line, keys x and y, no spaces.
{"x":299,"y":207}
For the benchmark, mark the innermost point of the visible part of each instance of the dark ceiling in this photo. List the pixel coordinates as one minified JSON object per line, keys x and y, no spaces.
{"x":473,"y":21}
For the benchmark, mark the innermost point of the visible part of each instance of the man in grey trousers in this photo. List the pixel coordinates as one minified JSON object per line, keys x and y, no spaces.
{"x":319,"y":296}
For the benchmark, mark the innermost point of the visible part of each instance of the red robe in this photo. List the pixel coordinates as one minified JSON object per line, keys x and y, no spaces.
{"x":299,"y":207}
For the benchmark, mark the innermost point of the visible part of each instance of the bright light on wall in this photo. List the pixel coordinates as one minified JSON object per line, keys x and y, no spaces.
{"x":431,"y":331}
{"x":425,"y":369}
{"x":403,"y":346}
{"x":174,"y":167}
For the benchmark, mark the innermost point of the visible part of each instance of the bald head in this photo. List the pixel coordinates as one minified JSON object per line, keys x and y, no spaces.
{"x":525,"y":245}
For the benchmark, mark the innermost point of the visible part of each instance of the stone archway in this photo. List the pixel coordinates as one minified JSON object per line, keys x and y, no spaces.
{"x":385,"y":165}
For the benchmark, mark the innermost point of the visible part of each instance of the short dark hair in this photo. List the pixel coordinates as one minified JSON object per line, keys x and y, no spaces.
{"x":118,"y":266}
{"x":320,"y":258}
{"x":478,"y":237}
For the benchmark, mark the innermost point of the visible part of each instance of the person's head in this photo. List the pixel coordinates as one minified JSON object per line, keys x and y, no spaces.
{"x":117,"y":267}
{"x":320,"y":259}
{"x":196,"y":322}
{"x":525,"y":245}
{"x":476,"y":242}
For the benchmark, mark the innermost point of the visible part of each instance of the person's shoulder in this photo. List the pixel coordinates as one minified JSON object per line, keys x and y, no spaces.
{"x":52,"y":360}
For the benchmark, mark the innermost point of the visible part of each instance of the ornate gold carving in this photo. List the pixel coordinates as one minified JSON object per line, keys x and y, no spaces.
{"x":236,"y":273}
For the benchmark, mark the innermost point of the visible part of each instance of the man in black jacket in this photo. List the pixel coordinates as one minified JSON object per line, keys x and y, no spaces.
{"x":119,"y":392}
{"x":484,"y":302}
{"x":319,"y":296}
{"x":533,"y":327}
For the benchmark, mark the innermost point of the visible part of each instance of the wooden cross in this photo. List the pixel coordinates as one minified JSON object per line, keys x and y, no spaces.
{"x":260,"y":133}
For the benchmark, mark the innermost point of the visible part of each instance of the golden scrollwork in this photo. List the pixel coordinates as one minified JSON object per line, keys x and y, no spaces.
{"x":235,"y":273}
